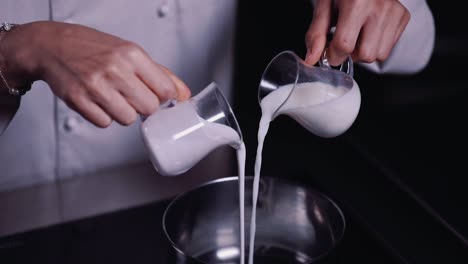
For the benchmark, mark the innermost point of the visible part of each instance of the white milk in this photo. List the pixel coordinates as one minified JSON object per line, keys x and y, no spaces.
{"x":177,"y":138}
{"x":241,"y":153}
{"x":307,"y":106}
{"x":325,"y":110}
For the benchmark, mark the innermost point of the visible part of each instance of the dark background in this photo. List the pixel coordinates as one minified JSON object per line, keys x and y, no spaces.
{"x":401,"y":167}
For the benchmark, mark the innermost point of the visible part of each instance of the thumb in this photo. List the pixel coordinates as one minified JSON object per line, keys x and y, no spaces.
{"x":316,"y":37}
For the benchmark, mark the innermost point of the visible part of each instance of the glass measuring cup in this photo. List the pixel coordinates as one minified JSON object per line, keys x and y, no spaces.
{"x":323,"y":99}
{"x":179,"y":134}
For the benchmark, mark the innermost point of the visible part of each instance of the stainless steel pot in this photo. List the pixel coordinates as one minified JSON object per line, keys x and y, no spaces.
{"x":295,"y":223}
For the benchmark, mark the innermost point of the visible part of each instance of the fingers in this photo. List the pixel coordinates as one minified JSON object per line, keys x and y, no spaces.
{"x":91,"y":111}
{"x":183,"y":92}
{"x":370,"y":41}
{"x":102,"y":110}
{"x":367,"y":30}
{"x":316,"y":37}
{"x":113,"y":99}
{"x":381,"y":32}
{"x":378,"y":34}
{"x":123,"y":96}
{"x":150,"y":84}
{"x":119,"y":94}
{"x":115,"y":105}
{"x":156,"y":78}
{"x":387,"y":40}
{"x":138,"y":95}
{"x":402,"y":25}
{"x":348,"y":27}
{"x":76,"y":95}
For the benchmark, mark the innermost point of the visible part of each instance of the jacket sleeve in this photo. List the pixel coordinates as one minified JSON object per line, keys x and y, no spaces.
{"x":414,"y":49}
{"x":8,"y":107}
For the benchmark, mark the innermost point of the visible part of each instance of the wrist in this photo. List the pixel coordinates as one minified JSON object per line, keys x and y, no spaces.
{"x":3,"y":88}
{"x":12,"y":79}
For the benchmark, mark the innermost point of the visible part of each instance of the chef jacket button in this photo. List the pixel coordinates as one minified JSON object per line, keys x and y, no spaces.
{"x":71,"y":123}
{"x":163,"y":10}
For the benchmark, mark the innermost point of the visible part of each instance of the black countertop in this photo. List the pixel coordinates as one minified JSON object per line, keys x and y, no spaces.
{"x":385,"y":224}
{"x":135,"y":236}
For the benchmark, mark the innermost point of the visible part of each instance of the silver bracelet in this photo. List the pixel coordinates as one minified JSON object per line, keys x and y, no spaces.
{"x":4,"y":28}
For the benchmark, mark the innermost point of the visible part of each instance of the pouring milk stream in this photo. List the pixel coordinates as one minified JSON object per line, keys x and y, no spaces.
{"x":323,"y":100}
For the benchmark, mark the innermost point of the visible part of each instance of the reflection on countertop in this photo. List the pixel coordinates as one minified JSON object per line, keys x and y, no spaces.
{"x":85,"y":196}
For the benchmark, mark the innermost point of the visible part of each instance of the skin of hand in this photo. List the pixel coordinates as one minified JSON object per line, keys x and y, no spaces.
{"x":366,"y":30}
{"x":101,"y":76}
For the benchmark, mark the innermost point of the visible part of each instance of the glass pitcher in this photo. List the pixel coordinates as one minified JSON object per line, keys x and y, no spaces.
{"x":323,"y":99}
{"x":179,"y":134}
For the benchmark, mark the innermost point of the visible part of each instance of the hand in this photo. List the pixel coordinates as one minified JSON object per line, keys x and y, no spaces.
{"x":365,"y":29}
{"x":100,"y":76}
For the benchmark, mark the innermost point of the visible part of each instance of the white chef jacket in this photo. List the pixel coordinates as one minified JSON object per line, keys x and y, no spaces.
{"x":47,"y":141}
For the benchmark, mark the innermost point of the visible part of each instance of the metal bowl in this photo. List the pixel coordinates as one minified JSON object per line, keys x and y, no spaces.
{"x":295,"y":223}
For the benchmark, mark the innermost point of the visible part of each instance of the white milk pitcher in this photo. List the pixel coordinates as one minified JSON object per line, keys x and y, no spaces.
{"x":323,"y":99}
{"x":179,"y":134}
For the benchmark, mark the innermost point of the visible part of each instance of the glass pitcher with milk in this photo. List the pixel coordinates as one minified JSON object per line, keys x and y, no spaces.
{"x":323,"y":99}
{"x":180,"y":134}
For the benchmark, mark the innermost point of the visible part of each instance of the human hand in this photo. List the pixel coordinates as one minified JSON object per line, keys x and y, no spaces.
{"x":365,"y":29}
{"x":101,"y":76}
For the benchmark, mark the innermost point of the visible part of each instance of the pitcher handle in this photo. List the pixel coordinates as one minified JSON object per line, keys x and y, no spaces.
{"x":168,"y":104}
{"x":346,"y":67}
